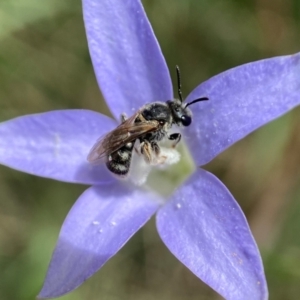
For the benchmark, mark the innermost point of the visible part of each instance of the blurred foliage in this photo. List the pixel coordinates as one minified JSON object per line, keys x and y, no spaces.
{"x":45,"y":65}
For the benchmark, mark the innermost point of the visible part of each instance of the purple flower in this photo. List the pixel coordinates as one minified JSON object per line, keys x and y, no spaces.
{"x":201,"y":223}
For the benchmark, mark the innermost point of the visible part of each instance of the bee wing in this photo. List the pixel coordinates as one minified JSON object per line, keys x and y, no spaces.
{"x":126,"y":132}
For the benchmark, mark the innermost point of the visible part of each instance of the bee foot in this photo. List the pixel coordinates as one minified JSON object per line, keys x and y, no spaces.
{"x":161,"y":160}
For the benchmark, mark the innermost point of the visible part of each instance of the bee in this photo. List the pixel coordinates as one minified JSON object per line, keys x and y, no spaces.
{"x":149,"y":125}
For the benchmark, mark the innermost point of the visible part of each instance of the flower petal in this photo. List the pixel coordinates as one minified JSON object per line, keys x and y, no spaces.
{"x":241,"y":100}
{"x":205,"y":229}
{"x":98,"y":225}
{"x":55,"y":145}
{"x":127,"y":59}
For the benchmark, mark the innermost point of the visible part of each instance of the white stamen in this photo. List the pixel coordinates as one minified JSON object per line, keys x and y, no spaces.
{"x":140,"y":169}
{"x":171,"y":155}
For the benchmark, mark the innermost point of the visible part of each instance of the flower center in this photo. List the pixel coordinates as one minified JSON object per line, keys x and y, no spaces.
{"x":176,"y":165}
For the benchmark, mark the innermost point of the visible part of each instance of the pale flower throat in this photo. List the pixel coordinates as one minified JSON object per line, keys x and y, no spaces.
{"x":167,"y":174}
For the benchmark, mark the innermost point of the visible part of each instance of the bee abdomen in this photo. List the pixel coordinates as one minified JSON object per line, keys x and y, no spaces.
{"x":118,"y":162}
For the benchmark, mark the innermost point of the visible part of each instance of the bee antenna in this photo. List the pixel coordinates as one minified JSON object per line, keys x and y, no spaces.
{"x":197,"y":100}
{"x":179,"y":83}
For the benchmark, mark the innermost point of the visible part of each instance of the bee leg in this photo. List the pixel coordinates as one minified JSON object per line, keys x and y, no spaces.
{"x":176,"y":137}
{"x":152,"y":153}
{"x":155,"y":148}
{"x":159,"y":158}
{"x":123,"y":117}
{"x":146,"y":151}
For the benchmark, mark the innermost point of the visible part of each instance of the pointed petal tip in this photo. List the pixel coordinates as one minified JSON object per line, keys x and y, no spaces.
{"x":99,"y":224}
{"x":204,"y":227}
{"x":242,"y":99}
{"x":55,"y":145}
{"x":130,"y":67}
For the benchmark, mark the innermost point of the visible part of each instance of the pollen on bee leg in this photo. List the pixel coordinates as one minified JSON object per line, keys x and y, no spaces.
{"x":140,"y":169}
{"x":168,"y":156}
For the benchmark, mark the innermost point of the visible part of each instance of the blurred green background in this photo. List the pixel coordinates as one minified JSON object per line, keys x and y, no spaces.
{"x":45,"y":65}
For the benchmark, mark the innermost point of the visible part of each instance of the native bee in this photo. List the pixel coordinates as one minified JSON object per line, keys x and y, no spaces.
{"x":149,"y":125}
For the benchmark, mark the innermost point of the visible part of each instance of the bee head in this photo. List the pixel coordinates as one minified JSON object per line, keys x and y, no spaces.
{"x":182,"y":115}
{"x":180,"y":111}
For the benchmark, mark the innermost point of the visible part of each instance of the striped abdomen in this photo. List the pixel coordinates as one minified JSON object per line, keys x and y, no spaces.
{"x":118,"y":162}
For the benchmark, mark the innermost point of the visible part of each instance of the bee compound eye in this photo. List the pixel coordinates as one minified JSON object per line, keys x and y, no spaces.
{"x":186,"y":120}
